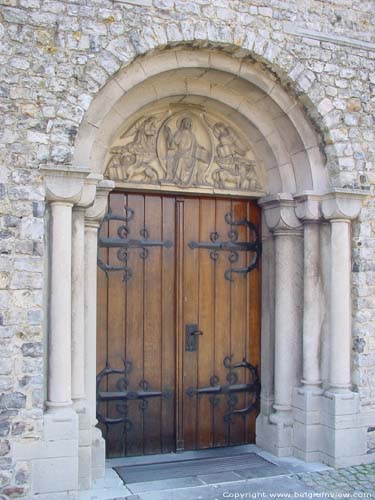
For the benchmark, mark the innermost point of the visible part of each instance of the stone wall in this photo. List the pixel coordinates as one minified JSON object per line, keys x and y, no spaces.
{"x":56,"y":55}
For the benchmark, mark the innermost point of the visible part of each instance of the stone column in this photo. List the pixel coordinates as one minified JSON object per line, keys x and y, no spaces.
{"x":78,"y":260}
{"x":344,"y":435}
{"x":63,"y":189}
{"x":93,"y":217}
{"x":59,"y":449}
{"x":282,"y":221}
{"x":308,"y":210}
{"x":307,"y":397}
{"x":340,"y":207}
{"x":78,"y":329}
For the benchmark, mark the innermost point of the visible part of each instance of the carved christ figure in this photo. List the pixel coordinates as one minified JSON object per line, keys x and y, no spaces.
{"x":183,"y":153}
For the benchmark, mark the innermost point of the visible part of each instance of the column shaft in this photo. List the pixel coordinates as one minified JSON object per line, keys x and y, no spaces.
{"x":59,"y":349}
{"x":78,"y":298}
{"x":340,"y":346}
{"x":288,"y":274}
{"x":91,"y":249}
{"x":311,"y":306}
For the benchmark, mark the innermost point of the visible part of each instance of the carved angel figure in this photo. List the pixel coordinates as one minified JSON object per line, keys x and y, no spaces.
{"x":183,"y":153}
{"x":132,"y":161}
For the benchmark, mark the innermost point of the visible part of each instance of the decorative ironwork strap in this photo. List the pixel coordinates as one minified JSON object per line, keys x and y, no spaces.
{"x":124,"y":243}
{"x":231,"y":388}
{"x":123,"y":395}
{"x":233,"y":246}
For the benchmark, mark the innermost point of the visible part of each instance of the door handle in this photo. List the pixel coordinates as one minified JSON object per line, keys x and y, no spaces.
{"x":191,"y":337}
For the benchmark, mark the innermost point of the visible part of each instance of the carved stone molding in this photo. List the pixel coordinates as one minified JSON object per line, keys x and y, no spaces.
{"x":187,"y":148}
{"x":279,"y":213}
{"x":342,"y":204}
{"x":64,"y":183}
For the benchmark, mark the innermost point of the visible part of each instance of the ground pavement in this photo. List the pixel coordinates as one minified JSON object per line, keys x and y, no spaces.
{"x":283,"y":478}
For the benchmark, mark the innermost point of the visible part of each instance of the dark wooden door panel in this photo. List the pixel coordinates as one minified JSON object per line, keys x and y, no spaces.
{"x":222,"y":307}
{"x":139,"y":326}
{"x":147,"y":297}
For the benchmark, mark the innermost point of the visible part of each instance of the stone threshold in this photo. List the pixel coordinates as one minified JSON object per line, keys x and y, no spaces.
{"x":112,"y":487}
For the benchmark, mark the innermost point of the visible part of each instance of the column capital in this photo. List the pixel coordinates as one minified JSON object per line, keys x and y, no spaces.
{"x":342,"y":204}
{"x":279,"y":213}
{"x":89,"y":190}
{"x":308,"y":207}
{"x":64,"y":183}
{"x":95,"y":213}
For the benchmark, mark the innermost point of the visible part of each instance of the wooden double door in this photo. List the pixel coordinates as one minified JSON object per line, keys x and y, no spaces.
{"x":178,"y":344}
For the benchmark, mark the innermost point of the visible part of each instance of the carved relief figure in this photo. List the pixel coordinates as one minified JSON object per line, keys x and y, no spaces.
{"x":235,"y":170}
{"x":133,"y":161}
{"x":185,"y":149}
{"x":184,"y":153}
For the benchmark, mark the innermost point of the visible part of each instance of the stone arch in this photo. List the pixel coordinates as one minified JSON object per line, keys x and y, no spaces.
{"x":283,"y":136}
{"x":290,"y":145}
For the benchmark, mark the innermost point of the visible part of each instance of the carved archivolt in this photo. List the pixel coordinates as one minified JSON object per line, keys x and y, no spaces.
{"x":185,"y":149}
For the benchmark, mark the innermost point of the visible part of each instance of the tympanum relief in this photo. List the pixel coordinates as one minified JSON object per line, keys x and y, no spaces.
{"x":185,"y":149}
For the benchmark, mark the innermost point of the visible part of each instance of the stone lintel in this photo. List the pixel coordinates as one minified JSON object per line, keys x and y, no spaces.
{"x":64,"y":183}
{"x":342,"y":204}
{"x":95,"y":213}
{"x":279,"y":212}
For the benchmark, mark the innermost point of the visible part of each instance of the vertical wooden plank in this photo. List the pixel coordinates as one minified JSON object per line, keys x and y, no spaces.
{"x":222,"y":322}
{"x":239,"y":308}
{"x":152,"y":326}
{"x":206,"y":323}
{"x":134,"y":327}
{"x":190,"y":315}
{"x":116,"y":328}
{"x":168,"y":328}
{"x":254,"y":307}
{"x":179,"y":404}
{"x":102,"y":321}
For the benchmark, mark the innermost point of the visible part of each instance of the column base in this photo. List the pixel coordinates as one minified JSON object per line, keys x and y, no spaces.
{"x":326,"y":427}
{"x":344,"y":430}
{"x":85,"y":448}
{"x":277,"y":439}
{"x":97,"y":454}
{"x":307,"y":432}
{"x":53,"y":460}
